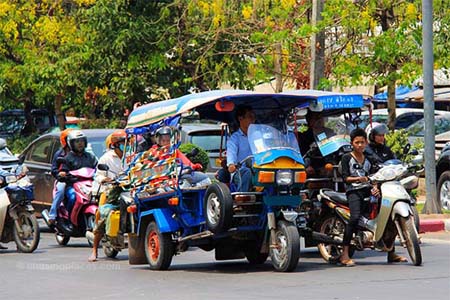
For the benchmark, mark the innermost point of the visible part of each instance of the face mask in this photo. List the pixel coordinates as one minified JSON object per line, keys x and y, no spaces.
{"x":121,"y":147}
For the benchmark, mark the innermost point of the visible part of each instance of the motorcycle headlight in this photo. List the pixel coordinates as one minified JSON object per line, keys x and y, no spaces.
{"x":284,"y":177}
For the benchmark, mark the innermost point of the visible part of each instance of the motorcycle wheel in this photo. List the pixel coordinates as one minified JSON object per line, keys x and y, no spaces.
{"x":90,"y":224}
{"x":110,"y":251}
{"x":253,"y":254}
{"x":332,"y":226}
{"x":411,"y":239}
{"x":28,"y":240}
{"x":159,"y":248}
{"x":218,"y":207}
{"x":62,"y":239}
{"x":286,"y":253}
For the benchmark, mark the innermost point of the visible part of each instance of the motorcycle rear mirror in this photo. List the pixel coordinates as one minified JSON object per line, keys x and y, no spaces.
{"x":103,"y":167}
{"x":2,"y":144}
{"x":406,"y":148}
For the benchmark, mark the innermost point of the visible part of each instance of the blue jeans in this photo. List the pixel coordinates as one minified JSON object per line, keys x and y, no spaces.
{"x":59,"y":197}
{"x":242,"y":179}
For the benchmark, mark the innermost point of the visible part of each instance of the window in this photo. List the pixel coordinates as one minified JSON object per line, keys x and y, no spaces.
{"x":41,"y":151}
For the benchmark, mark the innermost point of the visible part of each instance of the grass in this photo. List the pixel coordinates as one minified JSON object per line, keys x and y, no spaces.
{"x":421,"y":205}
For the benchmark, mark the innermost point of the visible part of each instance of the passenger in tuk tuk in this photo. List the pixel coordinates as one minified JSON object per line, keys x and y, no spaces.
{"x":316,"y":125}
{"x":238,"y":148}
{"x":113,"y":159}
{"x":163,"y":137}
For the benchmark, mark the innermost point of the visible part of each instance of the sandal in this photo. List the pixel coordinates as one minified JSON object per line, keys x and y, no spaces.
{"x":347,"y":263}
{"x":393,"y":258}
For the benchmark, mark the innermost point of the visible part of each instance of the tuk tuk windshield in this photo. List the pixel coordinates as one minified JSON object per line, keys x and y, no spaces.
{"x":265,"y":137}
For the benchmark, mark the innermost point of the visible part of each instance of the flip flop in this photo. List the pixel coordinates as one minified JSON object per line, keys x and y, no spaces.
{"x":397,"y":258}
{"x":347,"y":263}
{"x":92,"y":259}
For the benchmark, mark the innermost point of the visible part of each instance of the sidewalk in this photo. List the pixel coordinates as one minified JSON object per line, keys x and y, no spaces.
{"x":433,"y":222}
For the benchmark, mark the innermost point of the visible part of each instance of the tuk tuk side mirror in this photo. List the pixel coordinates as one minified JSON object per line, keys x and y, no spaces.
{"x":316,"y":106}
{"x":224,"y":106}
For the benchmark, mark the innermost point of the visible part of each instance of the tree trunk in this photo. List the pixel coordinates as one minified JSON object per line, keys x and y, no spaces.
{"x":278,"y":61}
{"x":58,"y":111}
{"x":391,"y":105}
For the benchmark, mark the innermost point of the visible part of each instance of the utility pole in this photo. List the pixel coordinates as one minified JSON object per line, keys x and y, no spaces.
{"x":431,"y":205}
{"x":317,"y":70}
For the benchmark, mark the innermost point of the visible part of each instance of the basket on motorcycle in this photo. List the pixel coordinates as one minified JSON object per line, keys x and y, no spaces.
{"x":18,"y":194}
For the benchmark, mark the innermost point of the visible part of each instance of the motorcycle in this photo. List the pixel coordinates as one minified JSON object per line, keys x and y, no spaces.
{"x":389,"y":216}
{"x":17,"y":220}
{"x":82,"y":214}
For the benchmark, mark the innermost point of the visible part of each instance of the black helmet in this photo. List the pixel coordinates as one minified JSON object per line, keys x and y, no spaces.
{"x":377,"y":129}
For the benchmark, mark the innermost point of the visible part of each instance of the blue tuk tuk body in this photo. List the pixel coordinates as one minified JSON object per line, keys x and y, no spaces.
{"x":252,"y":224}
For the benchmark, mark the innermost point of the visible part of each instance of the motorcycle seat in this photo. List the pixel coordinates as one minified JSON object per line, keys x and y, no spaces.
{"x":335,"y":196}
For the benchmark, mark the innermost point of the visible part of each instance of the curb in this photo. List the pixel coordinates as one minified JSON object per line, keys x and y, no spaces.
{"x":434,"y":225}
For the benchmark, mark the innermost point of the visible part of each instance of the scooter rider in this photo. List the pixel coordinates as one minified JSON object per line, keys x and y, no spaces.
{"x":78,"y":157}
{"x":377,"y":147}
{"x":380,"y":152}
{"x":113,"y":159}
{"x":59,"y":175}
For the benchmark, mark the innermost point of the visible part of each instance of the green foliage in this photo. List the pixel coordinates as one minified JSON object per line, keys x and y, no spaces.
{"x":100,"y":123}
{"x":201,"y":157}
{"x":397,"y":140}
{"x":19,"y":143}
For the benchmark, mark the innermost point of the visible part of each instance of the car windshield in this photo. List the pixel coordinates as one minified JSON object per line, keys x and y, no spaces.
{"x":264,"y":137}
{"x":96,"y":146}
{"x":441,"y":125}
{"x":208,"y":140}
{"x":11,"y":123}
{"x":5,"y":152}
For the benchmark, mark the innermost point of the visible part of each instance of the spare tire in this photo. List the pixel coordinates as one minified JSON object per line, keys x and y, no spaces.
{"x":218,"y":207}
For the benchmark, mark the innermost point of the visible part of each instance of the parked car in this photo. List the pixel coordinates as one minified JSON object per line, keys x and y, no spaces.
{"x":443,"y":177}
{"x":15,"y":123}
{"x":38,"y":157}
{"x":404,"y":116}
{"x":417,"y":130}
{"x":7,"y":159}
{"x":207,"y":136}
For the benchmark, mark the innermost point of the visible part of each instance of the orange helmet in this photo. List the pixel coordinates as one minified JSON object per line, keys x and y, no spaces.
{"x":118,"y":136}
{"x":63,"y":137}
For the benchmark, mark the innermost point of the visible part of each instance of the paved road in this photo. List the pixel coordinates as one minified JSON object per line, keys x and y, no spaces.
{"x":55,"y":272}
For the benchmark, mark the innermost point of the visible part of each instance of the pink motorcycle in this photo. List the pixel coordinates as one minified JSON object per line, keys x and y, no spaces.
{"x":78,"y":201}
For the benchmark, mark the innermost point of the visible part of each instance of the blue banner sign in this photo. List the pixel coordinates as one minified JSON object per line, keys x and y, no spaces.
{"x":341,"y":101}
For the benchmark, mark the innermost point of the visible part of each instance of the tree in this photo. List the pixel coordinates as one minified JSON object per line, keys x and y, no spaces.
{"x":40,"y":44}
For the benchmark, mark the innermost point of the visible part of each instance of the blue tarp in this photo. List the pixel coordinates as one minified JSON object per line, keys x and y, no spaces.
{"x":400,"y":93}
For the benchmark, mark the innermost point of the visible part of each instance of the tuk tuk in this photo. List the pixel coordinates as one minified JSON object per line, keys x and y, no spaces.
{"x":169,"y":217}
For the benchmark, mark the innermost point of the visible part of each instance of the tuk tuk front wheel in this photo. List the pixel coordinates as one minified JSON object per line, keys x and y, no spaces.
{"x":286,"y":252}
{"x":159,"y":248}
{"x":218,"y":207}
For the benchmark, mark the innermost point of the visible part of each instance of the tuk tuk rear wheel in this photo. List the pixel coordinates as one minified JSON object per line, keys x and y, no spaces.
{"x":159,"y":248}
{"x":286,"y":253}
{"x":218,"y":207}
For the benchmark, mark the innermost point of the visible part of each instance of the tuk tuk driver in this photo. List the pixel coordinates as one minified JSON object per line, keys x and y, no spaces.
{"x":238,"y":148}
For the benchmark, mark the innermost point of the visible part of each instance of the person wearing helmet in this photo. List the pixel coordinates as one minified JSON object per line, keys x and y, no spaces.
{"x":60,"y":185}
{"x":78,"y":157}
{"x":163,"y":138}
{"x":113,"y":159}
{"x":377,"y":144}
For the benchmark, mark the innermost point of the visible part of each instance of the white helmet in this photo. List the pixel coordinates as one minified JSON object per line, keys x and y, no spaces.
{"x":76,"y":135}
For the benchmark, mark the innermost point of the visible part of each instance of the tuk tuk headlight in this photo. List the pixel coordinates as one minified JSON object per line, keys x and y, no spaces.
{"x":284,"y":177}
